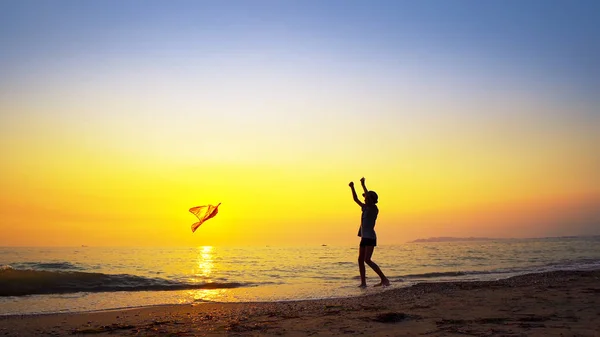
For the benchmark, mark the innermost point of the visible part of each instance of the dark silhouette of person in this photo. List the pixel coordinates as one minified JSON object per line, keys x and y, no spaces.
{"x":367,"y":233}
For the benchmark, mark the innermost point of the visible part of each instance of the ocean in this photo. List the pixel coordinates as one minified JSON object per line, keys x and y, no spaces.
{"x":50,"y":280}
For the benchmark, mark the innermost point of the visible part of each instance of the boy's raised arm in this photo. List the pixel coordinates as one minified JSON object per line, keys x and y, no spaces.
{"x":364,"y":186}
{"x":354,"y":194}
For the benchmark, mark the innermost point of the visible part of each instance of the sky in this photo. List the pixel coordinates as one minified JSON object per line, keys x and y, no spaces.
{"x":468,"y":118}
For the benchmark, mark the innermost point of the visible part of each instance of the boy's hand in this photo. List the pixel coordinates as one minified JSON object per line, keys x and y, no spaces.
{"x":351,"y":184}
{"x":362,"y":180}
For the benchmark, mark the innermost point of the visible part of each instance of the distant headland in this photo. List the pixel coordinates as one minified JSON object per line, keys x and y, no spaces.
{"x":471,"y":239}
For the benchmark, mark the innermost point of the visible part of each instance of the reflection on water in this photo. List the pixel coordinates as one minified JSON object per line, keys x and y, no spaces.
{"x":205,"y":266}
{"x":204,"y":295}
{"x":205,"y":262}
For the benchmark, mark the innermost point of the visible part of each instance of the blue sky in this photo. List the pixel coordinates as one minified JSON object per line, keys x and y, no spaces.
{"x":557,"y":39}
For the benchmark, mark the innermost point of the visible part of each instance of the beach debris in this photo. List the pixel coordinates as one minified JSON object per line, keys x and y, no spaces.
{"x":391,"y":317}
{"x":239,"y":327}
{"x":372,"y":307}
{"x":102,"y":329}
{"x":203,"y":213}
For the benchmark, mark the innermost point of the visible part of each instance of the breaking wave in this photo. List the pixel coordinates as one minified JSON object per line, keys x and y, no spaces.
{"x":17,"y":282}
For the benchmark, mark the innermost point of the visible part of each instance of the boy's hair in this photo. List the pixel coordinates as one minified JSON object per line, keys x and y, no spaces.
{"x":373,"y":197}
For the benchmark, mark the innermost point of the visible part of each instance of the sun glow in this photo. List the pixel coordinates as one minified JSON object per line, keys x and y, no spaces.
{"x":205,"y":263}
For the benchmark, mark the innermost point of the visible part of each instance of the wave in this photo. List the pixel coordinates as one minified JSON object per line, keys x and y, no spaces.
{"x":581,"y":264}
{"x":16,"y":282}
{"x":45,"y":266}
{"x":443,"y":274}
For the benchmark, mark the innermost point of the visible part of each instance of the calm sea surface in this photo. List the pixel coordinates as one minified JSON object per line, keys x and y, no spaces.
{"x":44,"y":280}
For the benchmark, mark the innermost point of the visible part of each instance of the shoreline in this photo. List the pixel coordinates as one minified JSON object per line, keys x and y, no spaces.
{"x":539,"y":304}
{"x":399,"y":284}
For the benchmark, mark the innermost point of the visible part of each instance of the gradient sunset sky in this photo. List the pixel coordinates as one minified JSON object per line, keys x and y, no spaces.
{"x":469,"y":118}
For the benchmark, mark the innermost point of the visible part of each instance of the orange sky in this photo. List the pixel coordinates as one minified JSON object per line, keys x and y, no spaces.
{"x":111,"y":142}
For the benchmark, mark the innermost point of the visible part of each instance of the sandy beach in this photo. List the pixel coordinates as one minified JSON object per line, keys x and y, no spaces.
{"x":563,"y":303}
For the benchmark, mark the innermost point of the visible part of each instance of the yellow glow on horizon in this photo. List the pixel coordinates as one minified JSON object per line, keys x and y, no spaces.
{"x":105,"y":165}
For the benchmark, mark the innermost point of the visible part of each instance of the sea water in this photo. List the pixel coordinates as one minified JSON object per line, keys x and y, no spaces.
{"x":49,"y":280}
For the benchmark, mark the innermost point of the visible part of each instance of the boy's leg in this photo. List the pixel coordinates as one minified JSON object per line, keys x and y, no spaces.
{"x":361,"y":266}
{"x":368,"y":253}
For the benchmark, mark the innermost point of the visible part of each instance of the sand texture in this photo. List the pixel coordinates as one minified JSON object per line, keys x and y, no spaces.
{"x":564,"y":303}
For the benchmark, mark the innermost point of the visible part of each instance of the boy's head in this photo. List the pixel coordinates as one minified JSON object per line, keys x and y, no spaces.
{"x":371,"y":197}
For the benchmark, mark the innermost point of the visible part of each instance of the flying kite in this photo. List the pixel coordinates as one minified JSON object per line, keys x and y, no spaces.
{"x":203,"y":213}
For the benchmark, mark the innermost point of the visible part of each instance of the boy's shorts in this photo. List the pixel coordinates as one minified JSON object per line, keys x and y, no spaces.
{"x":364,"y":242}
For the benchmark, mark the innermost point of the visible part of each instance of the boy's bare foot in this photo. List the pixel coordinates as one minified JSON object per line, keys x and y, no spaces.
{"x":362,"y":286}
{"x":383,"y":283}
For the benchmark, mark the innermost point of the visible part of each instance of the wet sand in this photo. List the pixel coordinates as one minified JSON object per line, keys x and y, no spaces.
{"x":565,"y":303}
